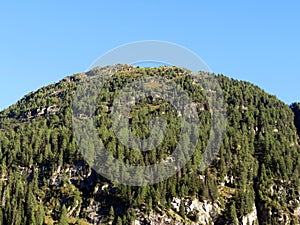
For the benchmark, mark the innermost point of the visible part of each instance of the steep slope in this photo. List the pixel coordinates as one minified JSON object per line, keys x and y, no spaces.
{"x":296,"y":109}
{"x":253,"y":180}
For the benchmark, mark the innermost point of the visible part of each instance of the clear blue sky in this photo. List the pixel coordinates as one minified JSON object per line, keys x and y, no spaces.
{"x":43,"y":41}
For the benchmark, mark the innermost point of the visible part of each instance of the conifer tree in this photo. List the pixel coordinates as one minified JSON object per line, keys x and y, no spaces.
{"x":63,"y":220}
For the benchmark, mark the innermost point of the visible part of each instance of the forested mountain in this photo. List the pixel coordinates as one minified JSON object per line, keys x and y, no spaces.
{"x":296,"y":109}
{"x":253,"y":180}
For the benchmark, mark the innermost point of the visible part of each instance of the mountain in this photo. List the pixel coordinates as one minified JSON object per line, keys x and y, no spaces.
{"x":296,"y":109}
{"x":254,"y":178}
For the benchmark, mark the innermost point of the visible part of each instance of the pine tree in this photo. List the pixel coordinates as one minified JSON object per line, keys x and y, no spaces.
{"x":119,"y":221}
{"x":40,"y":216}
{"x":63,"y":220}
{"x":233,"y":214}
{"x":182,"y":209}
{"x":111,"y":215}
